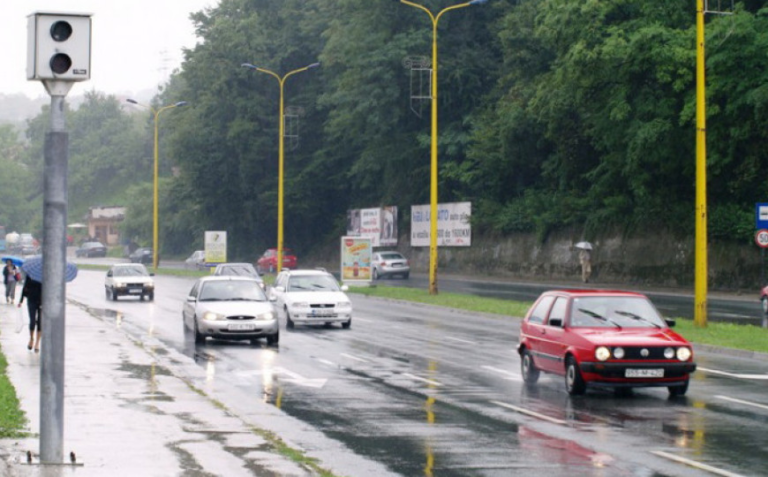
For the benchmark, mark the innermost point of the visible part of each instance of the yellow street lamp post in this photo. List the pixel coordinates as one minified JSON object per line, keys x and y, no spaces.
{"x":156,"y":113}
{"x":281,"y":132}
{"x":433,"y":168}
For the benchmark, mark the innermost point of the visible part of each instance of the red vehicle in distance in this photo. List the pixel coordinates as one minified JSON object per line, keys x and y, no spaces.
{"x":603,"y":338}
{"x":267,"y":263}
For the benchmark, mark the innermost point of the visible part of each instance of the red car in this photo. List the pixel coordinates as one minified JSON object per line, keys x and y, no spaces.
{"x":603,"y":338}
{"x":268,"y":261}
{"x":764,"y":299}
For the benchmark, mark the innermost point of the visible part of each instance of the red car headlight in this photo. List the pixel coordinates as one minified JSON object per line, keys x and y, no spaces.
{"x":683,"y":353}
{"x":602,"y":353}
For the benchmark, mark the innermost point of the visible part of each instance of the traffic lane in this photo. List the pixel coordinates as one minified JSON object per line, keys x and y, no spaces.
{"x":549,"y":400}
{"x":221,"y":360}
{"x":719,"y":308}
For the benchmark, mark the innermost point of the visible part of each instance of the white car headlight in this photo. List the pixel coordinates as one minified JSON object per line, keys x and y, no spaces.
{"x":618,"y":353}
{"x":119,"y":284}
{"x":149,"y":285}
{"x":300,"y":304}
{"x":266,"y":316}
{"x":669,"y":353}
{"x":211,"y":316}
{"x":602,"y":353}
{"x":344,"y":304}
{"x":683,"y":354}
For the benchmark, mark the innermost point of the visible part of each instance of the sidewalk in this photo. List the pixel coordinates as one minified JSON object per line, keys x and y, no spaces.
{"x":128,"y":413}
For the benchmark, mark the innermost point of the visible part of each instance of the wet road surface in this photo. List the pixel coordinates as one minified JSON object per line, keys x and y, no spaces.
{"x":430,"y":391}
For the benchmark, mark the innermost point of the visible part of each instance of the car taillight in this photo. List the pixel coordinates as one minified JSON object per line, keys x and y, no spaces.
{"x":383,"y":264}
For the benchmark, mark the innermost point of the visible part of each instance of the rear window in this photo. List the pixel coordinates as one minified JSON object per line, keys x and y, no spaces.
{"x":391,"y":256}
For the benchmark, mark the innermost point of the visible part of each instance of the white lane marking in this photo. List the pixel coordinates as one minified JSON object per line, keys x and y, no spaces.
{"x":288,"y":376}
{"x":740,"y":401}
{"x":357,"y":318}
{"x":530,"y":413}
{"x":695,"y":464}
{"x":325,"y":361}
{"x":460,"y":340}
{"x":733,"y":375}
{"x":354,"y":357}
{"x":509,"y":375}
{"x":428,"y":381}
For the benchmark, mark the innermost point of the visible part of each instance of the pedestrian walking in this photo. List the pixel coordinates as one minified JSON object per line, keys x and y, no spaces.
{"x":11,"y":276}
{"x":33,"y":292}
{"x":585,"y":258}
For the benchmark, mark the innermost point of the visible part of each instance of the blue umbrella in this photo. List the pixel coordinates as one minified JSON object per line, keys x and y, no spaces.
{"x":33,"y":268}
{"x":14,"y":259}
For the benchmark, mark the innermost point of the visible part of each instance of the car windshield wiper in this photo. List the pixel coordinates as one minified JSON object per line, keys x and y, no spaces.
{"x":599,"y":317}
{"x":211,"y":299}
{"x":629,"y":314}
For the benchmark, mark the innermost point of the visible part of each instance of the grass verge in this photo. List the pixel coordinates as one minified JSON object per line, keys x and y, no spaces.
{"x":725,"y":335}
{"x":12,"y":418}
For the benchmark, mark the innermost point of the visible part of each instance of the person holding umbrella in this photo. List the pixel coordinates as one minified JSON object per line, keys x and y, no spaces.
{"x":585,"y":259}
{"x":10,"y":277}
{"x":33,"y":292}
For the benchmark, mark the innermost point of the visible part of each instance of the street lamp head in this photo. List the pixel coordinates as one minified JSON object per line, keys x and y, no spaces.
{"x":313,"y":65}
{"x":132,"y":101}
{"x":180,"y":103}
{"x":248,"y":65}
{"x":478,"y":2}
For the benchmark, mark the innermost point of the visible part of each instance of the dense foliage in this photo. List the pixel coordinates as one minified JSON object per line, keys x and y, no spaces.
{"x":553,"y":113}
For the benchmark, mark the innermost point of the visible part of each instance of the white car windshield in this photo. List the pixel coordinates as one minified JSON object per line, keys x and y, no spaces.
{"x":312,"y":283}
{"x":615,"y":312}
{"x":234,"y":290}
{"x":130,"y":272}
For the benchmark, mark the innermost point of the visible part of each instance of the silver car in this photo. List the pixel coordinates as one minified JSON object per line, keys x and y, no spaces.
{"x":230,"y":308}
{"x":239,"y":270}
{"x":390,"y":264}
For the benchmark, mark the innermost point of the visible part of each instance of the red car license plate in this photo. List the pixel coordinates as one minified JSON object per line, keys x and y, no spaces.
{"x":644,"y":373}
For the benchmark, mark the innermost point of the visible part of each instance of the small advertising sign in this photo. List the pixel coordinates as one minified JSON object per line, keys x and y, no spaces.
{"x":379,"y":224}
{"x":356,"y":255}
{"x":215,"y":246}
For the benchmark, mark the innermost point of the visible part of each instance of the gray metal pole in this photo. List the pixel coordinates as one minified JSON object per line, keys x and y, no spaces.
{"x":53,"y":300}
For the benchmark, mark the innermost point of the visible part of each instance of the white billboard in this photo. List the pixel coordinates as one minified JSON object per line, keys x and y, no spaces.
{"x":379,"y":224}
{"x":215,"y":246}
{"x":453,"y":227}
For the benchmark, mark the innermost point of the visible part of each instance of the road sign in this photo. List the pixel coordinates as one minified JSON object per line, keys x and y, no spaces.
{"x":761,"y":215}
{"x":761,"y":238}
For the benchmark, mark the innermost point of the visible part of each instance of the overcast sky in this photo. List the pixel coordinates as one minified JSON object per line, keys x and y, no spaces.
{"x":136,"y":44}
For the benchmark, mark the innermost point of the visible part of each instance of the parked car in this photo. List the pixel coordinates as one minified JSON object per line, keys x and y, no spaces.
{"x":390,"y":264}
{"x":230,"y":308}
{"x":268,"y":261}
{"x":142,"y":255}
{"x":91,"y":249}
{"x":603,"y":338}
{"x":196,"y":260}
{"x":312,"y":297}
{"x":129,"y":279}
{"x":239,"y":270}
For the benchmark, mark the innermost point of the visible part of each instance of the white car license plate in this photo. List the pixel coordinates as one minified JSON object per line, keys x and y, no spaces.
{"x":644,"y":373}
{"x":240,"y":327}
{"x":322,"y":312}
{"x":134,"y":291}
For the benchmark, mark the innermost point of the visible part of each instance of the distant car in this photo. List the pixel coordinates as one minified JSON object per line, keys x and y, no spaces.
{"x":312,"y":297}
{"x":267,"y":263}
{"x":129,"y":279}
{"x":603,"y":338}
{"x":196,"y":260}
{"x":390,"y":264}
{"x":230,"y":308}
{"x":91,"y":249}
{"x":142,"y":255}
{"x":239,"y":270}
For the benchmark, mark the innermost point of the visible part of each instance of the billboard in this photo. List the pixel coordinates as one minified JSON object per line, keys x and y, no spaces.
{"x":356,"y":255}
{"x":215,"y":246}
{"x":453,"y":225}
{"x":378,"y":224}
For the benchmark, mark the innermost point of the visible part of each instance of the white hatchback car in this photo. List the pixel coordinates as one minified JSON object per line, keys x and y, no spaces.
{"x":129,"y":279}
{"x":230,"y":308}
{"x":312,"y":297}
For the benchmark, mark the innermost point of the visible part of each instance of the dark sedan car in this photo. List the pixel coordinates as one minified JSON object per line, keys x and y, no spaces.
{"x":91,"y":249}
{"x":142,"y":255}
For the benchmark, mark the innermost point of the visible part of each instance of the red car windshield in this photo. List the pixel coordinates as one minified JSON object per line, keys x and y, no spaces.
{"x":614,"y":312}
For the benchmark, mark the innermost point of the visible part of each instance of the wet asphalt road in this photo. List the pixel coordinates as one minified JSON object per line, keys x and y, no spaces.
{"x":434,"y":392}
